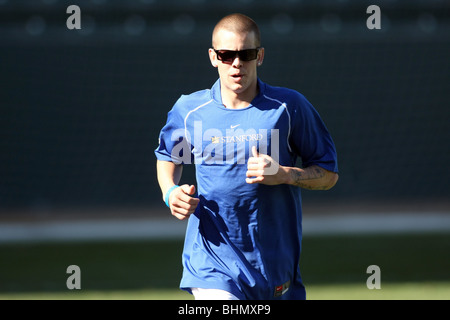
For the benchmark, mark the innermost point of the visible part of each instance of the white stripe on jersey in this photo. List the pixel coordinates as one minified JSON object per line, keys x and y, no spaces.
{"x":289,"y":116}
{"x":185,"y":119}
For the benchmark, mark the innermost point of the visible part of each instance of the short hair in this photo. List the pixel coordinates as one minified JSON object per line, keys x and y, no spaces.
{"x":238,"y":23}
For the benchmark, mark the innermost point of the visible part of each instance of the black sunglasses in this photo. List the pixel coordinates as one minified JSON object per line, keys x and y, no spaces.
{"x":228,"y":56}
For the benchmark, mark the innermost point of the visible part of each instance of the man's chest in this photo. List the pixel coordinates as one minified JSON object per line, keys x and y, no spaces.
{"x":219,"y":136}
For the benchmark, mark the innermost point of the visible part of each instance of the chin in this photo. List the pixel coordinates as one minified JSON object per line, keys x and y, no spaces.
{"x":237,"y":88}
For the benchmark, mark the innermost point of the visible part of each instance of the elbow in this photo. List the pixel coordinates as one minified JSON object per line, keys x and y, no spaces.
{"x":333,"y":179}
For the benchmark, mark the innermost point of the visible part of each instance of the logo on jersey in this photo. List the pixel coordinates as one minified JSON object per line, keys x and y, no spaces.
{"x":237,"y":138}
{"x":281,"y":289}
{"x":213,"y":146}
{"x":215,"y":139}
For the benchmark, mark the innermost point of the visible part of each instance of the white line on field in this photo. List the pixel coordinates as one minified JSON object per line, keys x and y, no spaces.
{"x":171,"y":228}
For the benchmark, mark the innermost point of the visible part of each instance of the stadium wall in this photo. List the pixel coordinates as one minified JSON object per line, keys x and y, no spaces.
{"x":81,"y":109}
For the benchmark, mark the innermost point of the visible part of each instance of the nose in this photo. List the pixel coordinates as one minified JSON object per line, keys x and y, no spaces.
{"x":237,"y":62}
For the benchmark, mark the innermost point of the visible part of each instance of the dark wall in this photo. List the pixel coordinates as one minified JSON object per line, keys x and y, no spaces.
{"x":80,"y":111}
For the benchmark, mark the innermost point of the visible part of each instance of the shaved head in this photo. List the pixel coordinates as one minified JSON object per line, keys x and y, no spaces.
{"x":237,"y":23}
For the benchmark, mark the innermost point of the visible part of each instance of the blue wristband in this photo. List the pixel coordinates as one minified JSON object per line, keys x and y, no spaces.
{"x":166,"y":197}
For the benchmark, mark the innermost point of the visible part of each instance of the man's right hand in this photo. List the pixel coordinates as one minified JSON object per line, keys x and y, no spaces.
{"x":181,"y":202}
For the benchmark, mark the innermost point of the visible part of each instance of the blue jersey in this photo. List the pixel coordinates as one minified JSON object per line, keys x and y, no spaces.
{"x":245,"y":238}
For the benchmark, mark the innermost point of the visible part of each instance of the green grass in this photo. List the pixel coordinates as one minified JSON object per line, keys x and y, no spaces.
{"x":390,"y":291}
{"x":148,"y":294}
{"x":413,"y":266}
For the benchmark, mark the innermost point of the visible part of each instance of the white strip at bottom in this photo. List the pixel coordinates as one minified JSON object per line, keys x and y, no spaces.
{"x":171,"y":228}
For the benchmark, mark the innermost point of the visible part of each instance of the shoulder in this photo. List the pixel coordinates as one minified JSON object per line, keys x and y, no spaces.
{"x":290,"y":97}
{"x":189,"y":102}
{"x":296,"y":104}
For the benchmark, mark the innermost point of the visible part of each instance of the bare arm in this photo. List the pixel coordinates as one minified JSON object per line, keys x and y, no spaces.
{"x":312,"y":178}
{"x":263,"y":169}
{"x":181,"y":202}
{"x":169,"y":174}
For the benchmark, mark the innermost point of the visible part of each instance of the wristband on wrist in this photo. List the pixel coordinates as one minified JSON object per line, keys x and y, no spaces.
{"x":166,"y":197}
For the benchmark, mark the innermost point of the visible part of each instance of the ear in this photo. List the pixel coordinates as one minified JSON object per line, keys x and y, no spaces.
{"x":260,"y":58}
{"x":213,"y":58}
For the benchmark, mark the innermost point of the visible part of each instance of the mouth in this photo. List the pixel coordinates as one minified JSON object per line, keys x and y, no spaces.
{"x":237,"y":77}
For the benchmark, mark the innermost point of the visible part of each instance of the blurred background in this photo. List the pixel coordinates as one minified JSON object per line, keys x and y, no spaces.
{"x":81,"y":110}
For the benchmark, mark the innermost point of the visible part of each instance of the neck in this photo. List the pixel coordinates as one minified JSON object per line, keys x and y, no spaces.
{"x":239,"y":100}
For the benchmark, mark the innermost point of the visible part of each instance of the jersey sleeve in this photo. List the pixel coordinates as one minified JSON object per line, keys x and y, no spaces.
{"x":310,"y":138}
{"x":173,"y":144}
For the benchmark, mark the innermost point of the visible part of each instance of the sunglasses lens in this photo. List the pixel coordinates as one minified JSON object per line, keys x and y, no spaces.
{"x":227,"y":56}
{"x":248,"y":55}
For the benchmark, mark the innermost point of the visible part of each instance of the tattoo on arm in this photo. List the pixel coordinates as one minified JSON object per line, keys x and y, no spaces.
{"x":308,"y":177}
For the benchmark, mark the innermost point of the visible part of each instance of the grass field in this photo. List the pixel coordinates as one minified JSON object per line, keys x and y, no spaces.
{"x":398,"y":291}
{"x":413,"y":267}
